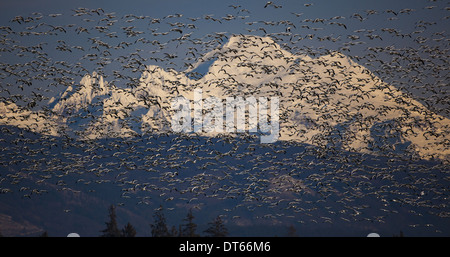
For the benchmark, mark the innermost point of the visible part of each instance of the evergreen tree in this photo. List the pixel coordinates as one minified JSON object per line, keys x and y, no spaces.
{"x":44,"y":234}
{"x":189,"y":228}
{"x":159,"y":227}
{"x":173,"y":232}
{"x":112,"y":229}
{"x":216,"y":228}
{"x":128,"y":231}
{"x":399,"y":235}
{"x":292,"y":232}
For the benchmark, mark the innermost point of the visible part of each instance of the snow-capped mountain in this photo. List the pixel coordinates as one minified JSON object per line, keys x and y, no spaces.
{"x":325,"y":101}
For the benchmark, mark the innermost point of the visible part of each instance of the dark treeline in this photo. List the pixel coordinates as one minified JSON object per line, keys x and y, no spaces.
{"x":160,"y":228}
{"x":188,"y":228}
{"x":112,"y":229}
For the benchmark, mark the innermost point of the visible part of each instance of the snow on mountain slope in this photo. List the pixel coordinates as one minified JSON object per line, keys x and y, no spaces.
{"x":39,"y":122}
{"x":72,"y":101}
{"x":109,"y":111}
{"x":325,"y":101}
{"x":324,"y":96}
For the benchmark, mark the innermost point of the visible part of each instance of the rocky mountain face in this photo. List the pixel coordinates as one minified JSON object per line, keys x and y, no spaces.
{"x":327,"y":101}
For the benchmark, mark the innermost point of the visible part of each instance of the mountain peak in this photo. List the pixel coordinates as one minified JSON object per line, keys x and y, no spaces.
{"x":243,"y":39}
{"x":241,"y":51}
{"x":254,"y":45}
{"x":90,"y":87}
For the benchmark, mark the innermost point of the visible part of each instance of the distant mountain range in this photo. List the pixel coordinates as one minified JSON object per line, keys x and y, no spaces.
{"x":328,"y":101}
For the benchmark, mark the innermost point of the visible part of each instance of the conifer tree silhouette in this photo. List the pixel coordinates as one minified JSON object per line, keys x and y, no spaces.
{"x":292,"y":232}
{"x":216,"y":228}
{"x":111,"y":229}
{"x":188,"y":229}
{"x":159,"y":227}
{"x":128,"y":231}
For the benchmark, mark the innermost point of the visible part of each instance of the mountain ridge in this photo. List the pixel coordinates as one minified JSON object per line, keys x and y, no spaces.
{"x":317,"y":95}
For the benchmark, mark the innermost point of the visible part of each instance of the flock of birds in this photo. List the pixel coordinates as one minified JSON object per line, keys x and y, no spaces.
{"x":239,"y":179}
{"x":131,"y":42}
{"x":277,"y":183}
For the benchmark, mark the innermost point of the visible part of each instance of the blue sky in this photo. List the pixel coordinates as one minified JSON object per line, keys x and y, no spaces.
{"x":199,"y":8}
{"x":319,"y":8}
